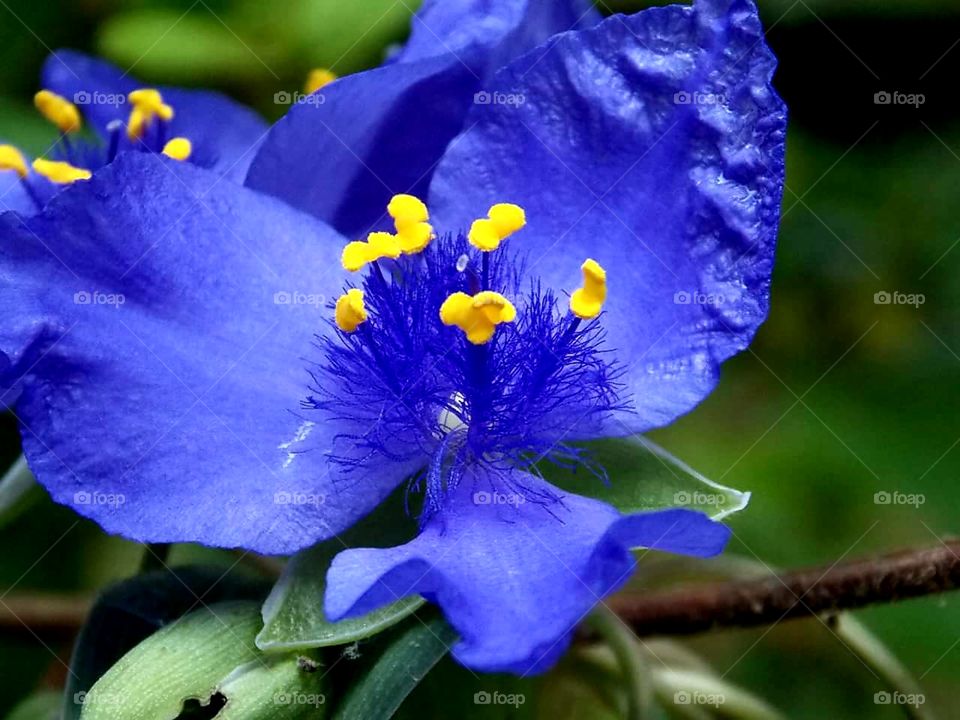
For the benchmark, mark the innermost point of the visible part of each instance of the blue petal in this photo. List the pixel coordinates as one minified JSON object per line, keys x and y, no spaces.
{"x":13,"y":194}
{"x":381,"y":132}
{"x":653,"y":143}
{"x":225,"y":134}
{"x":160,"y":349}
{"x":514,"y":578}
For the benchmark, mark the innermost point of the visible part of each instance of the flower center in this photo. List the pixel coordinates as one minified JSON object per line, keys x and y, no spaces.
{"x":446,"y":350}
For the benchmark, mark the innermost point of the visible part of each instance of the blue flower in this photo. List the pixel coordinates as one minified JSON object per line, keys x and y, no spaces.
{"x":206,"y":128}
{"x":229,"y":370}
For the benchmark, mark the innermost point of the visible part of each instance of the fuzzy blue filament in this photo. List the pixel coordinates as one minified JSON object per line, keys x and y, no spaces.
{"x":406,"y":383}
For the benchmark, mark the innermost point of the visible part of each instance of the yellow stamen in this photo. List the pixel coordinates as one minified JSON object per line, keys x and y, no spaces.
{"x":179,"y":148}
{"x":477,"y":316}
{"x":410,"y":217}
{"x":147,"y":104}
{"x":502,"y":221}
{"x":350,"y":311}
{"x":12,"y":159}
{"x":62,"y":173}
{"x":587,"y":302}
{"x":378,"y":245}
{"x":58,"y":110}
{"x":318,"y":78}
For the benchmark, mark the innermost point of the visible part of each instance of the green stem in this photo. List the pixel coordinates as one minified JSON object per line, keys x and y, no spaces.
{"x":685,"y":688}
{"x":623,"y":643}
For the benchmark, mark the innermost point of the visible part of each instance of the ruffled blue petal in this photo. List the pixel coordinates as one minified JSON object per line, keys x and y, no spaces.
{"x":653,"y":143}
{"x":381,"y":132}
{"x":514,"y":572}
{"x":13,"y":194}
{"x":158,"y":332}
{"x":225,"y":134}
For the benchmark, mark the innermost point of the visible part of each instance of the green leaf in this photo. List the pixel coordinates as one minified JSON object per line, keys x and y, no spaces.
{"x":133,"y":610}
{"x":18,"y":490}
{"x":274,"y":688}
{"x":186,"y":660}
{"x":382,"y":689}
{"x":293,"y":616}
{"x":41,"y":706}
{"x":643,"y":476}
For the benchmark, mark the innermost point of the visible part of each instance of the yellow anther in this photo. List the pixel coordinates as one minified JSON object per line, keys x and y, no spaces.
{"x":179,"y":148}
{"x":62,"y":173}
{"x":58,"y":110}
{"x":502,"y":221}
{"x":410,"y":217}
{"x":378,"y":245}
{"x":318,"y":78}
{"x":587,"y":302}
{"x":147,"y":104}
{"x":479,"y":315}
{"x":12,"y":159}
{"x":350,"y":311}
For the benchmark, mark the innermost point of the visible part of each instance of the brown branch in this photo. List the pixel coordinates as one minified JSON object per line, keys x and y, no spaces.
{"x":801,"y":593}
{"x":683,"y":611}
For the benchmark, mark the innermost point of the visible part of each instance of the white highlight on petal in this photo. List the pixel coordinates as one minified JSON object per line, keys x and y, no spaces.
{"x":306,"y":427}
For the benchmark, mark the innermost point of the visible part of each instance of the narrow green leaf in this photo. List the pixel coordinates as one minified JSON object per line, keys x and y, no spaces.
{"x":293,"y":616}
{"x":133,"y":610}
{"x":274,"y":688}
{"x":18,"y":490}
{"x":397,"y":672}
{"x":643,"y":476}
{"x":185,"y":660}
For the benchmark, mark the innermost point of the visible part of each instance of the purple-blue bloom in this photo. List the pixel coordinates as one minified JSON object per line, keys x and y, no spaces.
{"x":223,"y":134}
{"x":178,"y":347}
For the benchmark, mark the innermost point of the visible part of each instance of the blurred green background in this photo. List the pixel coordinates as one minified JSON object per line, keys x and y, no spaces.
{"x":840,"y":397}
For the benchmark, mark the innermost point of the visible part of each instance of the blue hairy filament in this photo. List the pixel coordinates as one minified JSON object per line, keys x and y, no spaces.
{"x":405,"y":384}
